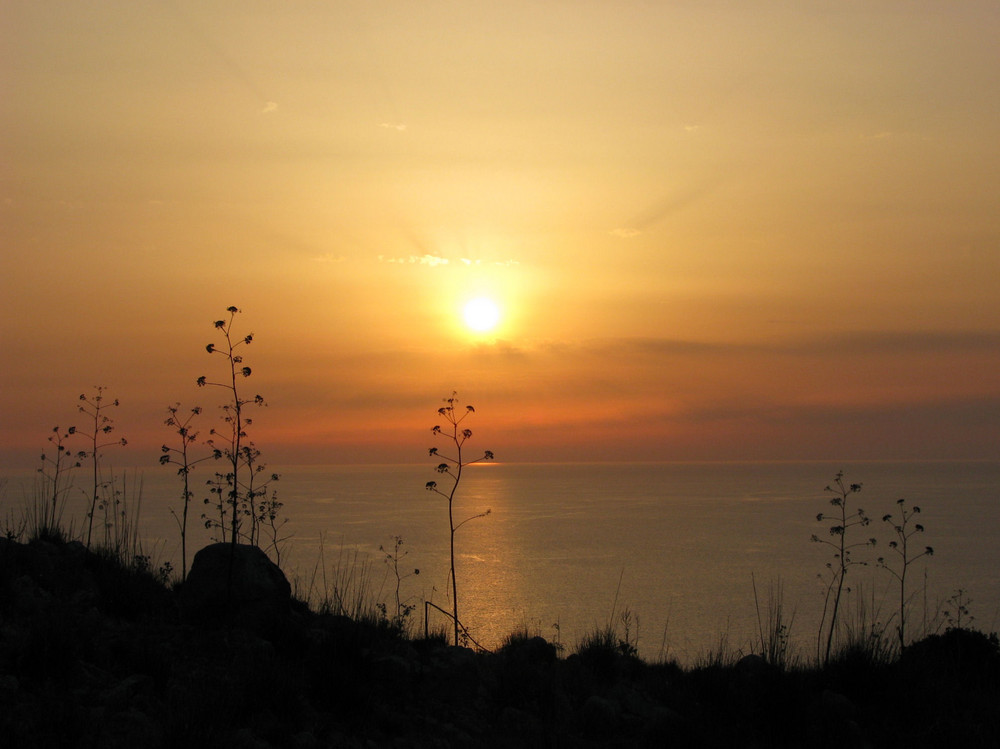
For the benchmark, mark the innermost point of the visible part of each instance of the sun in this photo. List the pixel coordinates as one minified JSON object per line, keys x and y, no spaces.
{"x":481,"y":314}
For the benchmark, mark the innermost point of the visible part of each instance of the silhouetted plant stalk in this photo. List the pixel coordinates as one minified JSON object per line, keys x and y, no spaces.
{"x":102,"y":496}
{"x":14,"y":525}
{"x":900,"y":546}
{"x":242,"y":490}
{"x":842,"y":521}
{"x":346,"y":590}
{"x":55,"y":477}
{"x":404,"y":608}
{"x":864,"y":629}
{"x":217,"y":485}
{"x":957,"y":614}
{"x":773,"y":628}
{"x":182,"y":458}
{"x":121,"y":507}
{"x":262,"y":505}
{"x":452,"y":467}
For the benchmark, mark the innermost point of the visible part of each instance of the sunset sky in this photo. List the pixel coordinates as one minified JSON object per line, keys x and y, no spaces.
{"x":714,"y":230}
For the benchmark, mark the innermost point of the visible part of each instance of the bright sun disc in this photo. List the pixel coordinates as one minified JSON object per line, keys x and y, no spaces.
{"x":481,"y":314}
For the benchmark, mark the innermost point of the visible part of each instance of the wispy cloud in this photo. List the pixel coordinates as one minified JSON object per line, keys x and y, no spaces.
{"x":329,"y":258}
{"x":670,"y":204}
{"x":958,"y":413}
{"x":911,"y":341}
{"x":436,"y":260}
{"x":894,"y":135}
{"x":863,"y":343}
{"x":431,"y":260}
{"x":625,"y":233}
{"x":501,"y":348}
{"x":398,"y":126}
{"x":271,"y":106}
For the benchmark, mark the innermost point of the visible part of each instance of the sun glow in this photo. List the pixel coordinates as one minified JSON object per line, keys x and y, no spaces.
{"x":481,"y":314}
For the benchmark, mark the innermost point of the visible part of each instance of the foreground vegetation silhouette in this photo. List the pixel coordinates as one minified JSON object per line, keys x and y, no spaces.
{"x":101,"y":647}
{"x":95,"y":652}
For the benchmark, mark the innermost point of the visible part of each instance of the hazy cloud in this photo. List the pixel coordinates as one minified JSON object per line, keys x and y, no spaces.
{"x":974,"y":410}
{"x":431,"y":260}
{"x":329,"y":258}
{"x":269,"y":107}
{"x":500,"y":347}
{"x":399,"y":126}
{"x":625,"y":233}
{"x":917,"y":341}
{"x":661,"y":209}
{"x":435,"y":260}
{"x":225,"y":60}
{"x":896,"y":135}
{"x":861,"y":343}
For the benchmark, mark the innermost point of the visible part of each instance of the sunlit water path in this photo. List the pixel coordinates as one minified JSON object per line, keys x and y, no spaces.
{"x":569,"y":545}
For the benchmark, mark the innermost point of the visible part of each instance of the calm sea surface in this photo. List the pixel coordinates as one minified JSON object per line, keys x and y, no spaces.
{"x":567,"y":546}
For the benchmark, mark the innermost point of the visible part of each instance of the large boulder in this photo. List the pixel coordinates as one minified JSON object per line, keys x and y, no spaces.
{"x":236,"y":585}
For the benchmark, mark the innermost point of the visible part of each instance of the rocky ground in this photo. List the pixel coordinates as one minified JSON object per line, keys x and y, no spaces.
{"x":94,"y":655}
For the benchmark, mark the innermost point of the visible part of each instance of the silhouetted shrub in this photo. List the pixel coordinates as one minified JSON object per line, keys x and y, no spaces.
{"x":967,"y":655}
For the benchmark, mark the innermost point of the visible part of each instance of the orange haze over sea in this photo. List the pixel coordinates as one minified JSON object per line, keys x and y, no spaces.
{"x":717,"y":230}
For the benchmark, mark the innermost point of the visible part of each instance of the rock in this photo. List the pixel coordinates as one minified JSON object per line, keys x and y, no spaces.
{"x":119,"y":696}
{"x":244,"y":738}
{"x":633,"y":701}
{"x":600,"y":716}
{"x":129,"y":729}
{"x":9,"y":687}
{"x":662,"y":727}
{"x":305,"y":740}
{"x":28,"y":598}
{"x":531,"y":650}
{"x":837,"y":707}
{"x":517,"y":722}
{"x":752,"y":664}
{"x":235,"y":585}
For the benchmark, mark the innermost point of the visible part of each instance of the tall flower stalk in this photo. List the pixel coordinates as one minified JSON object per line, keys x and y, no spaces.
{"x":239,"y":486}
{"x":452,"y":466}
{"x":185,"y":462}
{"x":841,"y":522}
{"x":98,"y":433}
{"x":900,"y":546}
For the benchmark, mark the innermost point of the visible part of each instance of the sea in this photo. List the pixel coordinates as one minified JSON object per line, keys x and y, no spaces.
{"x":684,"y":560}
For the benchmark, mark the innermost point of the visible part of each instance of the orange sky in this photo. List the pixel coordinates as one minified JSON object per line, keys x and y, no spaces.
{"x":717,"y":230}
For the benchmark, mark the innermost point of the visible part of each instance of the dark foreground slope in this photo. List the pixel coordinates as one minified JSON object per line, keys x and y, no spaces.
{"x":93,"y":655}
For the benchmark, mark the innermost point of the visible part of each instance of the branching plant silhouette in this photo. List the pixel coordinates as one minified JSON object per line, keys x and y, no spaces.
{"x":185,"y":462}
{"x":841,"y":522}
{"x":241,"y":489}
{"x":393,"y":557}
{"x":957,"y":614}
{"x":55,"y":477}
{"x":95,"y":408}
{"x":453,"y":465}
{"x":904,"y":558}
{"x":263,"y":505}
